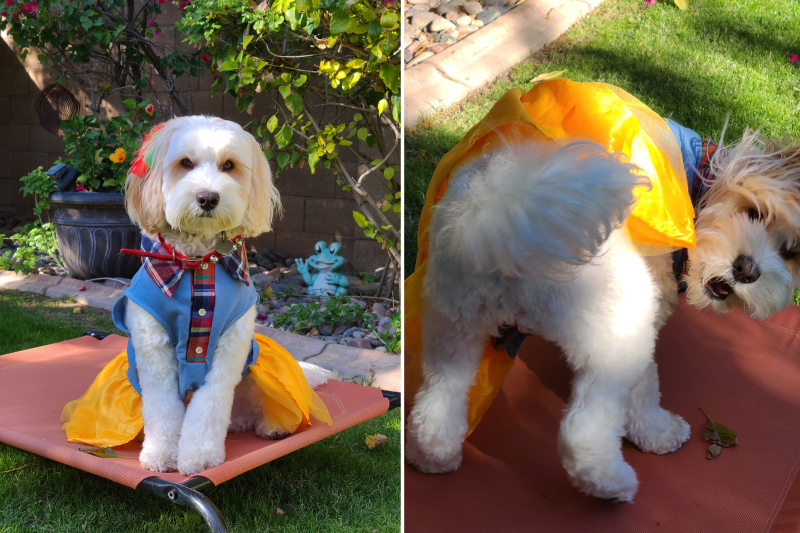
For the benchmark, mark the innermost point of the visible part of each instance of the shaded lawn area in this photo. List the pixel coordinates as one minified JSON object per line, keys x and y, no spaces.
{"x":693,"y":67}
{"x":337,"y":484}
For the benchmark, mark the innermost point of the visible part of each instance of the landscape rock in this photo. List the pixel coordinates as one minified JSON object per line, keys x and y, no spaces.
{"x":472,"y":8}
{"x":488,"y":15}
{"x":421,"y":20}
{"x":364,"y":344}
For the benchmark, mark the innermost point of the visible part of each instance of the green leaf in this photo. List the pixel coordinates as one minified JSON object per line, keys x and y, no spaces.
{"x":283,"y":158}
{"x":357,"y":117}
{"x":390,"y":74}
{"x":344,"y":142}
{"x":300,"y":81}
{"x":362,"y":133}
{"x":722,"y":435}
{"x":284,"y":136}
{"x":374,"y":30}
{"x":285,"y":90}
{"x":382,"y":105}
{"x":303,"y":5}
{"x":246,"y":41}
{"x":341,"y":21}
{"x":294,"y":102}
{"x":389,"y":20}
{"x":313,"y":159}
{"x":228,"y":65}
{"x":356,"y":63}
{"x":388,"y":173}
{"x":272,"y":123}
{"x":360,"y":219}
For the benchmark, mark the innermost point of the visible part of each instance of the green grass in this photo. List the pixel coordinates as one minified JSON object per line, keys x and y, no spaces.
{"x":28,"y":320}
{"x":337,"y":484}
{"x":694,"y":67}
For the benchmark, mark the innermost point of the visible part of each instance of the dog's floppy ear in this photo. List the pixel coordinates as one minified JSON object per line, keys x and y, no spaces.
{"x":265,"y":201}
{"x":143,"y":200}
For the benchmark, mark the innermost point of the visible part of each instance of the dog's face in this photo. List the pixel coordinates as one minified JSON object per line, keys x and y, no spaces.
{"x":748,"y":231}
{"x":204,"y":175}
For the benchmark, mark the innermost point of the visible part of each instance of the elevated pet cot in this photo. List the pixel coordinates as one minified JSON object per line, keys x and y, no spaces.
{"x":35,"y":385}
{"x":745,"y":373}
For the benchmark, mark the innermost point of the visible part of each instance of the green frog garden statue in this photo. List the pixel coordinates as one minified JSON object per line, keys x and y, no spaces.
{"x":328,"y":281}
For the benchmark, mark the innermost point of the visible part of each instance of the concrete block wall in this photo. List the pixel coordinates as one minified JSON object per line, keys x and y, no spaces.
{"x":315,"y":207}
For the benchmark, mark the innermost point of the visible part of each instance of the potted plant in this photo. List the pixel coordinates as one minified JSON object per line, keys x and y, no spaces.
{"x":90,"y":222}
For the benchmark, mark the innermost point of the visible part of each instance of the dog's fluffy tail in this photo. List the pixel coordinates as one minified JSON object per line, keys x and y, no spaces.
{"x":530,"y":210}
{"x":316,"y":375}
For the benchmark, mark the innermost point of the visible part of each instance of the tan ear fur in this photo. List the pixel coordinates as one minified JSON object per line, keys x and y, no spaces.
{"x":143,"y":200}
{"x":265,"y":201}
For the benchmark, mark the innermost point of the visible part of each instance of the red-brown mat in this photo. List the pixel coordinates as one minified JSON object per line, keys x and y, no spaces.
{"x":745,"y":373}
{"x":36,"y":384}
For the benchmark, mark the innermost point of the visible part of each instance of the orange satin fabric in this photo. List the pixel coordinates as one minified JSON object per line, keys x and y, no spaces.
{"x":110,"y":412}
{"x":559,"y":111}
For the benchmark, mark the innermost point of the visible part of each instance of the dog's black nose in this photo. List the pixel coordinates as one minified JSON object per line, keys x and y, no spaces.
{"x":207,"y":200}
{"x":745,"y":269}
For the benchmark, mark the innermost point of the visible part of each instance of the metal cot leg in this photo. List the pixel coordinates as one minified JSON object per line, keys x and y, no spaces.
{"x":187,"y":494}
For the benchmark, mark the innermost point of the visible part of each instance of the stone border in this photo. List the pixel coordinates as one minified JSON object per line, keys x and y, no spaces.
{"x":451,"y":75}
{"x":347,"y":361}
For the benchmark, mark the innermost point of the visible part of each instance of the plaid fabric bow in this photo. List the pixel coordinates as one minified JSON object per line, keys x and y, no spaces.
{"x":167,"y":274}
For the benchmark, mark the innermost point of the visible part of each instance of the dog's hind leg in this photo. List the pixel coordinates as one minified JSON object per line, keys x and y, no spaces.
{"x":162,"y":408}
{"x":650,"y":427}
{"x":608,"y":336}
{"x":202,"y":442}
{"x":437,"y":424}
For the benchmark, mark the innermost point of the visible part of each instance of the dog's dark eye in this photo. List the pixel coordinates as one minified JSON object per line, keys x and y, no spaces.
{"x":187,"y":163}
{"x":227,"y":165}
{"x":754,"y":214}
{"x":786,"y":253}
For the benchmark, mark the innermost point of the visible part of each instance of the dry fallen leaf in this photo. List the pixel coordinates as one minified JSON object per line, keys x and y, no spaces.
{"x":549,"y":76}
{"x":105,"y":452}
{"x":714,"y":450}
{"x":722,"y":435}
{"x":373,"y":441}
{"x":18,"y":468}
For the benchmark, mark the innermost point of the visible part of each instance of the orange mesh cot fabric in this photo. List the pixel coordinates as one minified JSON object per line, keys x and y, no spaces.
{"x":745,"y":373}
{"x":36,"y":384}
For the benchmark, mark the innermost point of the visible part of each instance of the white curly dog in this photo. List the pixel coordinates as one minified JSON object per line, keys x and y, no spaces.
{"x":533,"y":235}
{"x":206,"y":179}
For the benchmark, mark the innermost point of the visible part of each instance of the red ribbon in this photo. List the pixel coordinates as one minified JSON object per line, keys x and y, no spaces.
{"x":173,"y":256}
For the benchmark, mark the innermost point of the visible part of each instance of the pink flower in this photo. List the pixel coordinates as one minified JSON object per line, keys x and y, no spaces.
{"x":206,"y":58}
{"x":648,"y":3}
{"x":389,"y":3}
{"x":32,"y":7}
{"x":279,"y":510}
{"x":793,"y":58}
{"x":157,"y":32}
{"x":80,"y":188}
{"x":150,"y":22}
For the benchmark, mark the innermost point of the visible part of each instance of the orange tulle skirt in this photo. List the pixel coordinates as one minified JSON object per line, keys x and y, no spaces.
{"x":559,"y":111}
{"x":110,"y":412}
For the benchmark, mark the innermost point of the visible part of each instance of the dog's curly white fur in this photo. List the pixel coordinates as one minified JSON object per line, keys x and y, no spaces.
{"x":195,"y":155}
{"x":532,"y":234}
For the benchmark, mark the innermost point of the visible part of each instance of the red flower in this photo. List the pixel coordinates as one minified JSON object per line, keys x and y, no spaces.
{"x":4,"y":14}
{"x":32,"y":8}
{"x":793,"y":58}
{"x":80,"y":188}
{"x":206,"y":58}
{"x":214,"y":77}
{"x":16,"y":15}
{"x":9,"y":2}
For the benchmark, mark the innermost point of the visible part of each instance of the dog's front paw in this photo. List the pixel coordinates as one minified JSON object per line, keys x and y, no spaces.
{"x":615,"y":480}
{"x":195,"y":461}
{"x":159,"y":460}
{"x":661,"y":432}
{"x":272,"y":435}
{"x":432,"y":452}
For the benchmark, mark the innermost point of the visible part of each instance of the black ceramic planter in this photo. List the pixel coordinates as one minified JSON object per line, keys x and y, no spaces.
{"x":92,"y":227}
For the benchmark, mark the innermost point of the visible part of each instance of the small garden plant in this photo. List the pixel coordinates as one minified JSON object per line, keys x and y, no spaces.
{"x":38,"y":237}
